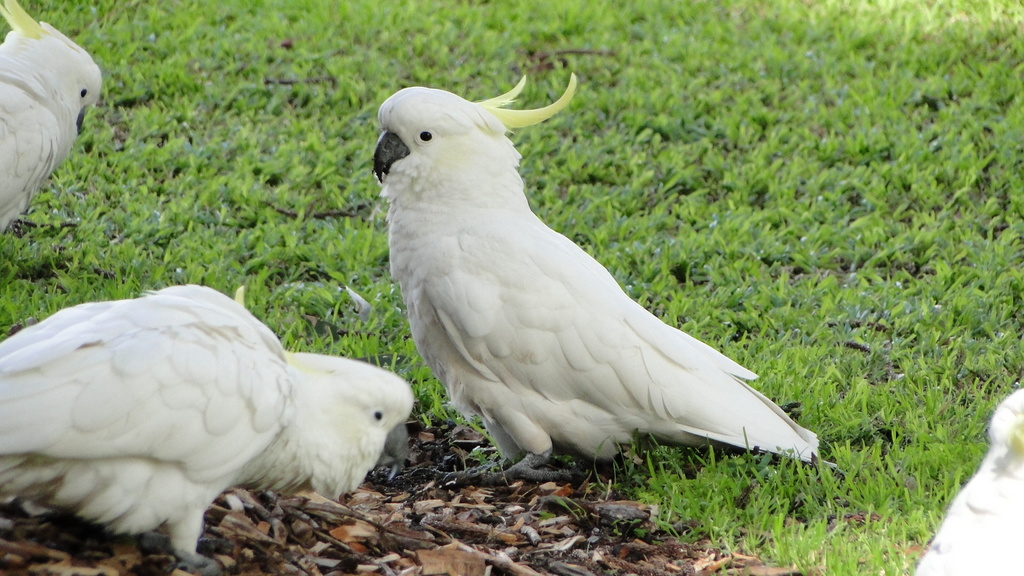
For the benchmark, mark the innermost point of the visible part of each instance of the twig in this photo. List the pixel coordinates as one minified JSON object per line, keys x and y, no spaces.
{"x":857,"y":346}
{"x":318,"y":215}
{"x":311,"y":80}
{"x":339,"y":510}
{"x":499,"y":560}
{"x":541,"y":60}
{"x":582,"y":51}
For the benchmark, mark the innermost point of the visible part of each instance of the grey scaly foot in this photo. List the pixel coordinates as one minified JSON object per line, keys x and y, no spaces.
{"x":156,"y":543}
{"x":533,"y":469}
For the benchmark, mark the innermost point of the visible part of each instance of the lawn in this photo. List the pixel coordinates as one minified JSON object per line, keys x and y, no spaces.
{"x":829,"y":192}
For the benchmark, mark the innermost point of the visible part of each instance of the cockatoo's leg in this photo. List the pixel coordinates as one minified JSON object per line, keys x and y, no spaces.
{"x":188,"y":560}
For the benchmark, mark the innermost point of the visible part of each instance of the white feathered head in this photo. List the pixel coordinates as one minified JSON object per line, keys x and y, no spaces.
{"x":346,"y":418}
{"x":415,"y":117}
{"x":58,"y":70}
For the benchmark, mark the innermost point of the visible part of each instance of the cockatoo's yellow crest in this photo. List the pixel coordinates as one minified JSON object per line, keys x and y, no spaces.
{"x":289,"y":357}
{"x":521,"y":118}
{"x":506,"y":98}
{"x":308,"y":363}
{"x":20,"y":21}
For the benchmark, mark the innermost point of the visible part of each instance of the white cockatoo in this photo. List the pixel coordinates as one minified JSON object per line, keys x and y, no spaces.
{"x":46,"y":83}
{"x":986,"y":520}
{"x":138,"y":413}
{"x":522,"y":326}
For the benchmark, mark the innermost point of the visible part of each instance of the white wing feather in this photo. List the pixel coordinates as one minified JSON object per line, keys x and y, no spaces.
{"x":530,"y":332}
{"x":25,"y":129}
{"x":152,"y":377}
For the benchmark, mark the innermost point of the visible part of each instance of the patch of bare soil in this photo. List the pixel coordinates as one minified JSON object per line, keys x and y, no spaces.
{"x":418,"y":523}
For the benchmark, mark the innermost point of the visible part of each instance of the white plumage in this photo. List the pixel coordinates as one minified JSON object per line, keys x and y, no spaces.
{"x":522,"y":326}
{"x":46,"y":83}
{"x":137,"y":413}
{"x":985,"y":522}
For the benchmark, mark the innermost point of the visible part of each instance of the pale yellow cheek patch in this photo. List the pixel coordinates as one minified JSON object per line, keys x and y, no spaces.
{"x":521,"y":118}
{"x":20,"y":21}
{"x":1017,"y":437}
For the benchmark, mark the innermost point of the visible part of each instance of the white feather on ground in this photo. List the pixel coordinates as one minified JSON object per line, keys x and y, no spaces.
{"x":138,"y":413}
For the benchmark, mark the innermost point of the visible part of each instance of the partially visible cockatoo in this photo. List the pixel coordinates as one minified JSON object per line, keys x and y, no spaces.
{"x":46,"y":83}
{"x":138,"y":413}
{"x":522,"y":326}
{"x":986,"y":520}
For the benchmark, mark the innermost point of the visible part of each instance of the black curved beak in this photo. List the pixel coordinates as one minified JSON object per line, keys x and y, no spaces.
{"x":390,"y":149}
{"x":78,"y":121}
{"x":396,"y":449}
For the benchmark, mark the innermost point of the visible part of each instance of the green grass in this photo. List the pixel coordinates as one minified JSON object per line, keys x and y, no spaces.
{"x":830,"y":192}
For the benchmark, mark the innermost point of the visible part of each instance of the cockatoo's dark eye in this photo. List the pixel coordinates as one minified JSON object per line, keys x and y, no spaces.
{"x":426,"y":136}
{"x":378,"y":415}
{"x":84,"y":92}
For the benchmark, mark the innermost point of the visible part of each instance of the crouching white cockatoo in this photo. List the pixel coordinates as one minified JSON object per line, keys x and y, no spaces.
{"x":986,"y":520}
{"x":522,"y":326}
{"x":138,"y":413}
{"x":46,"y":83}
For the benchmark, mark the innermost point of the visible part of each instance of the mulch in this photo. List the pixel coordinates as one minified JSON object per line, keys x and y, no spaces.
{"x":422,"y":522}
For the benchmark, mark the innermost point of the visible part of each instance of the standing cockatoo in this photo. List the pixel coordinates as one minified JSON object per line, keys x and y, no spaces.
{"x":138,"y":413}
{"x":521,"y":325}
{"x":985,"y":523}
{"x":46,"y":83}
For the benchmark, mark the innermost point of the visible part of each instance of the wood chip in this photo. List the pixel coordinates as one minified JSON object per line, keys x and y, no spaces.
{"x":424,"y":506}
{"x":31,"y":550}
{"x":357,"y":530}
{"x":566,"y":544}
{"x":451,"y":561}
{"x":531,"y":534}
{"x":62,"y":569}
{"x":238,"y":525}
{"x":552,"y":521}
{"x":422,"y":525}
